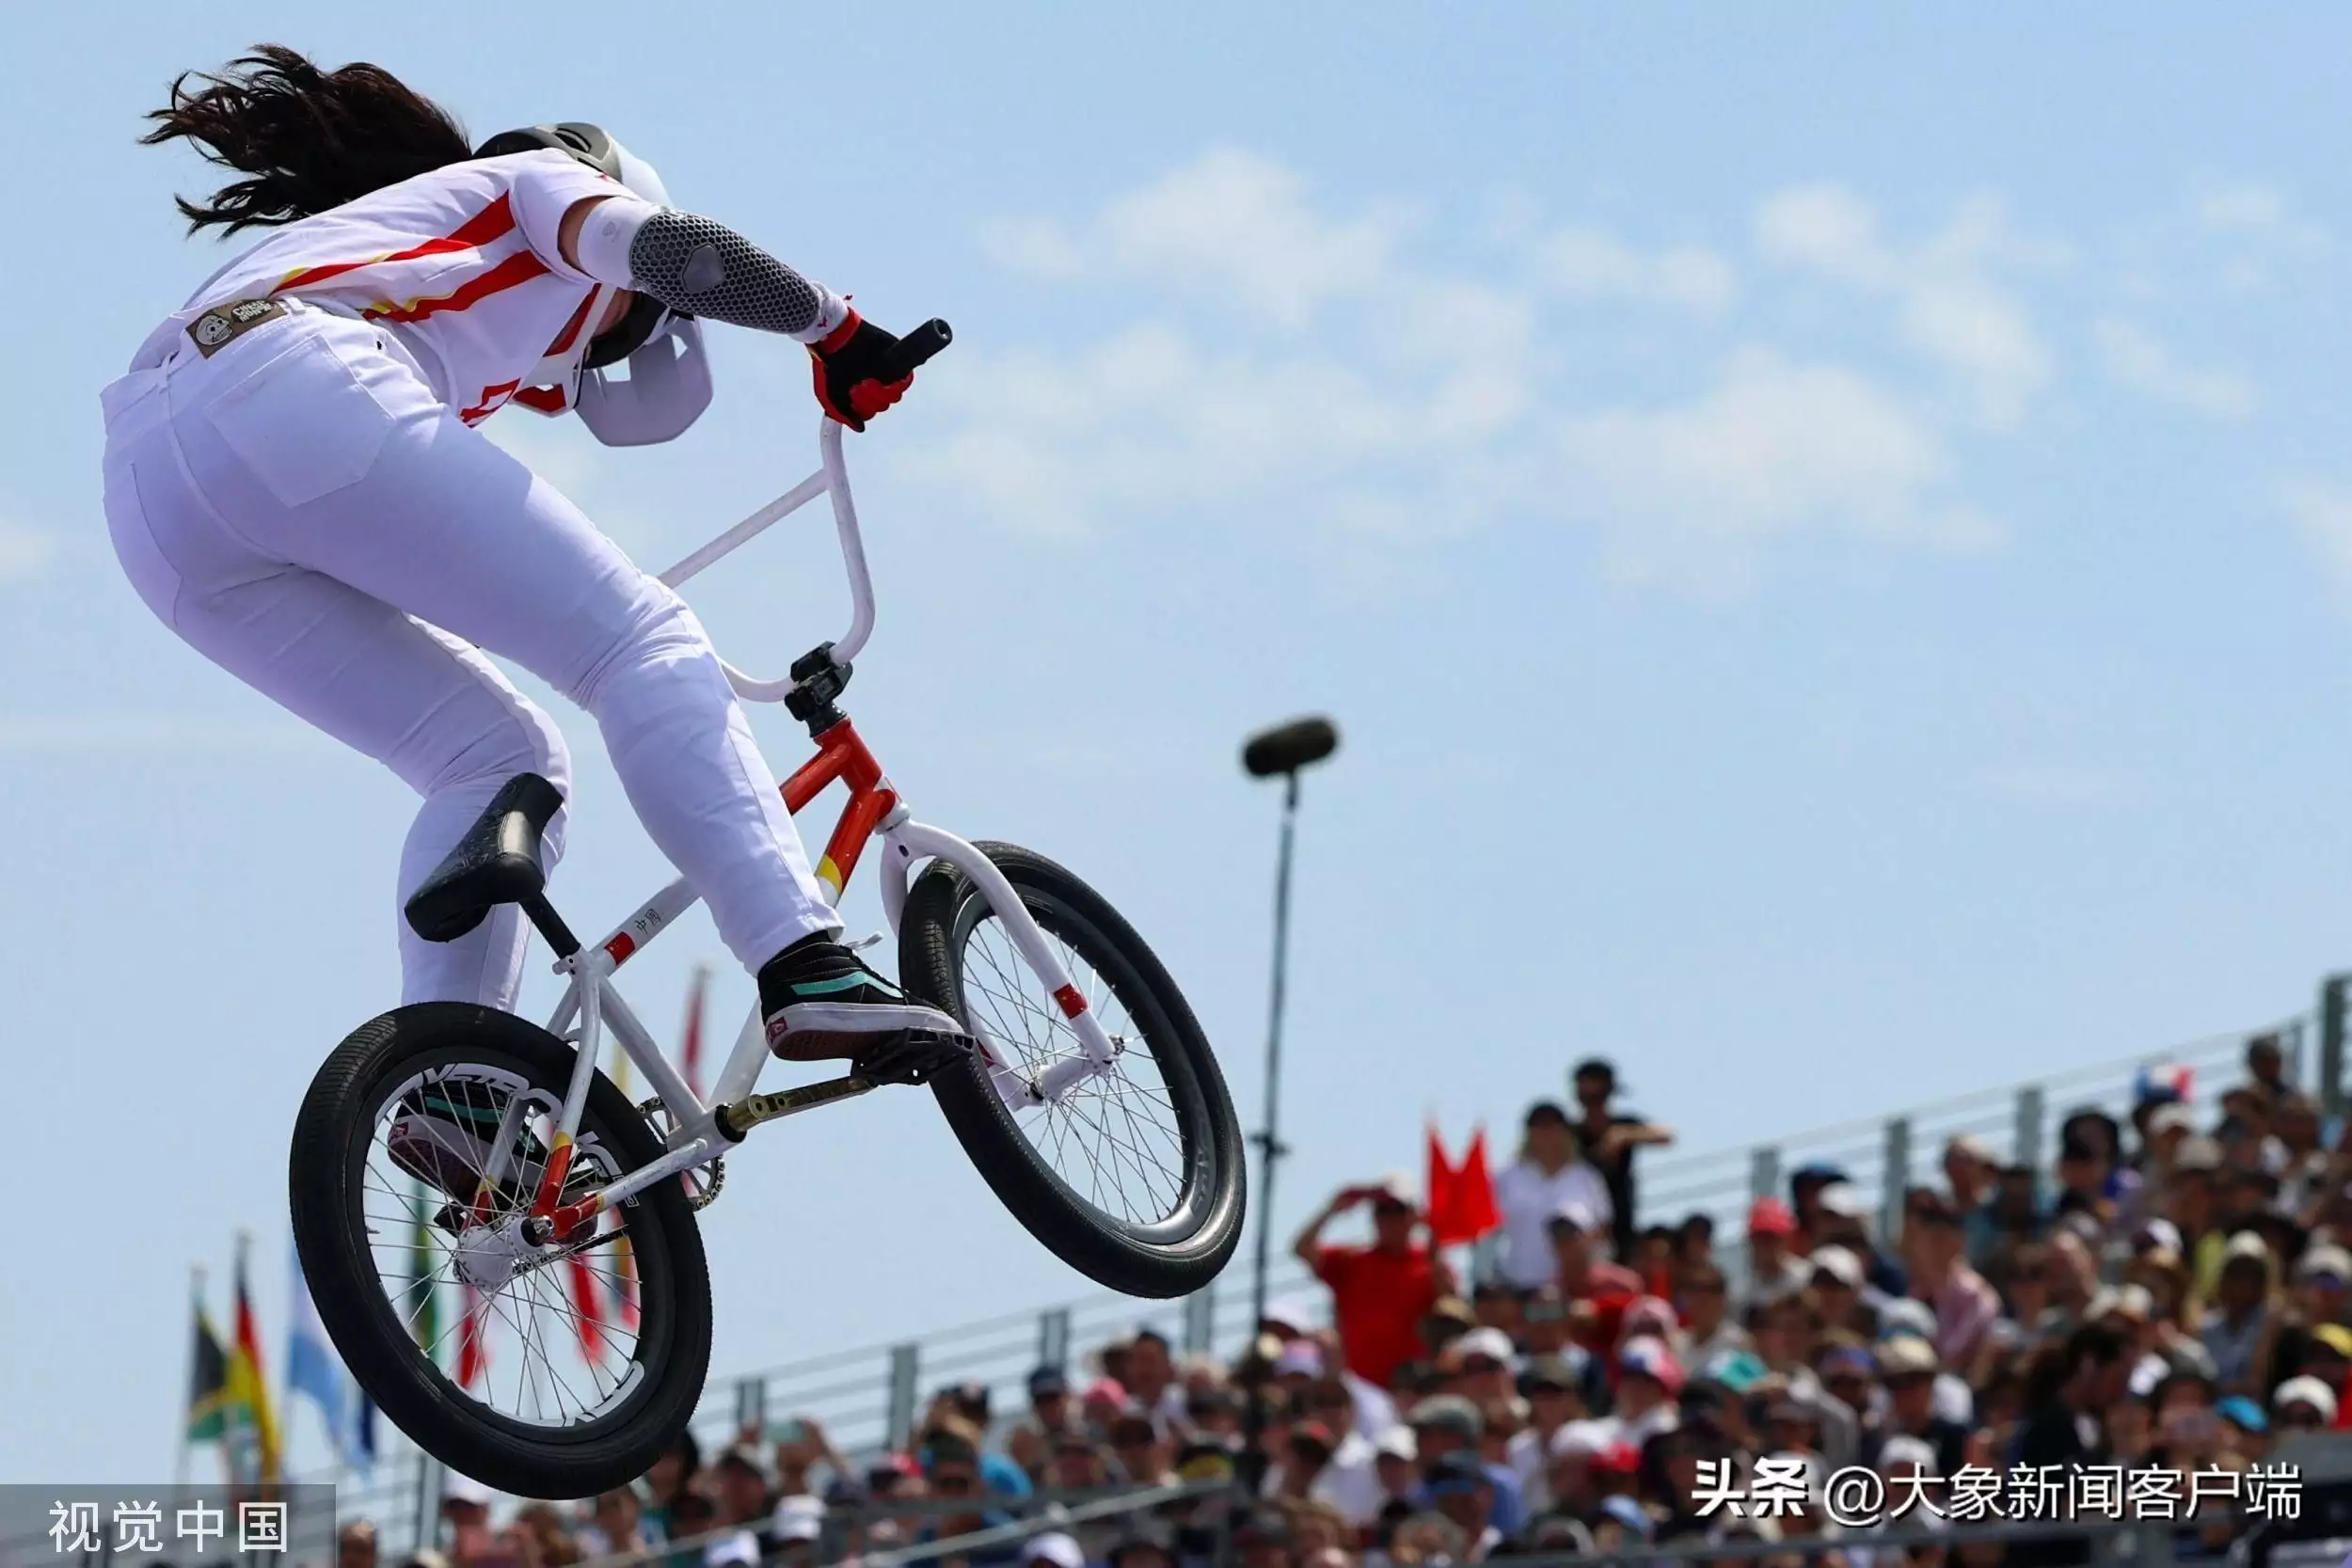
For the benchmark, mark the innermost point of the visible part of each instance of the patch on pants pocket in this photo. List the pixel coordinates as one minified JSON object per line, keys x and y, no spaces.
{"x":302,"y":423}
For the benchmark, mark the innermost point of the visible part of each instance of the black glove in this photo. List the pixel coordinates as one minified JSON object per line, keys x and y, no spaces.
{"x":847,"y":362}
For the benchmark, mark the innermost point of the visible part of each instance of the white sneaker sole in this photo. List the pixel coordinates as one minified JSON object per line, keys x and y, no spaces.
{"x":835,"y":1019}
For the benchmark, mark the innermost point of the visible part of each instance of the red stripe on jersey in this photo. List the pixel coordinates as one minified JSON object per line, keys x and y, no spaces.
{"x":571,"y":329}
{"x":521,"y":267}
{"x":493,"y":399}
{"x":493,"y":222}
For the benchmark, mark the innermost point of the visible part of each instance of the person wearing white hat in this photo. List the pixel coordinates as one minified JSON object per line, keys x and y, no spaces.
{"x":2304,"y":1405}
{"x":1054,"y":1549}
{"x":1288,"y":1318}
{"x":2303,"y":1163}
{"x":2237,"y":1322}
{"x":1840,"y":1216}
{"x":1300,"y":1363}
{"x":798,"y":1524}
{"x":1482,"y":1363}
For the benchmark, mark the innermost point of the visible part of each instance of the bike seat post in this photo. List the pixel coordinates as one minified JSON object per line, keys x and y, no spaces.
{"x":551,"y":925}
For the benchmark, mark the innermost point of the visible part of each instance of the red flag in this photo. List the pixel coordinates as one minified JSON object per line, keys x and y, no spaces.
{"x":589,"y":1316}
{"x":1440,"y":1189}
{"x":691,"y":1052}
{"x":624,"y":1284}
{"x":1474,"y":1191}
{"x":472,"y":1361}
{"x":1461,"y":1198}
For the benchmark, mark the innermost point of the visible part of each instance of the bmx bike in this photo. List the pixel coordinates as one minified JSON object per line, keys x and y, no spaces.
{"x":445,"y":1142}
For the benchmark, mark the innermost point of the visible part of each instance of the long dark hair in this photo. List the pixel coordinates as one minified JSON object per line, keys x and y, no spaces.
{"x":309,"y":139}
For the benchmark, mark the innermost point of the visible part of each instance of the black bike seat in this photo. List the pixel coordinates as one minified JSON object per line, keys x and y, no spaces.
{"x":501,"y":860}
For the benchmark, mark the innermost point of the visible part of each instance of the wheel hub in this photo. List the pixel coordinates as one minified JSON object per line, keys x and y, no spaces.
{"x":490,"y":1256}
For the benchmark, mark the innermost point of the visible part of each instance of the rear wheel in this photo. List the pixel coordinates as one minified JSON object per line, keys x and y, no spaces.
{"x":1135,"y":1176}
{"x":544,"y":1372}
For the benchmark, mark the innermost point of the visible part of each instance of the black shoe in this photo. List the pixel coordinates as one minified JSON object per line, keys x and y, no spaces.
{"x":822,"y":1004}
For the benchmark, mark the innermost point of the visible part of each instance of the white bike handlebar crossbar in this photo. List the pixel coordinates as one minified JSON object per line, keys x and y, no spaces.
{"x":833,"y":477}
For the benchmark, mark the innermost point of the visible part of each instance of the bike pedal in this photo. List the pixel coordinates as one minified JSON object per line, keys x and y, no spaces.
{"x":914,"y":1060}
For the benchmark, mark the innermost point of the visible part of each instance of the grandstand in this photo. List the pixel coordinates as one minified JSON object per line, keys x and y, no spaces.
{"x":870,"y":1399}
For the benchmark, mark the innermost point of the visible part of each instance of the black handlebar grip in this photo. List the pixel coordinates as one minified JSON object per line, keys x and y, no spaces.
{"x":914,"y":348}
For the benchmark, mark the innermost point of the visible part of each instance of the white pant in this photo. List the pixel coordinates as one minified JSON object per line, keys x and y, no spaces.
{"x":298,"y":507}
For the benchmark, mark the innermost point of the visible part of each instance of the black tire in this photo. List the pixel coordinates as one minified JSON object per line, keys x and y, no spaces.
{"x":328,"y":1181}
{"x":1184,"y":1249}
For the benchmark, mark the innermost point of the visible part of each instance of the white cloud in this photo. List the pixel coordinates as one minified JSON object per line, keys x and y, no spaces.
{"x":24,"y":553}
{"x":1689,"y":494}
{"x":2240,"y":208}
{"x":2136,"y":359}
{"x":2260,"y":229}
{"x":1232,"y":228}
{"x":1949,"y":308}
{"x":2321,"y":511}
{"x":1827,"y":229}
{"x":1586,"y":263}
{"x":2262,"y":213}
{"x":1368,"y":429}
{"x":1038,"y":247}
{"x":1151,"y":418}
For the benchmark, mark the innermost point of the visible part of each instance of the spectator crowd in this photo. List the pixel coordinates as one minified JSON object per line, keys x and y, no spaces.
{"x":2172,"y":1296}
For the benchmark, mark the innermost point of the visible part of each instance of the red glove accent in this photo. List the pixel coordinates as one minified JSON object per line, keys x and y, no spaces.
{"x":844,"y":362}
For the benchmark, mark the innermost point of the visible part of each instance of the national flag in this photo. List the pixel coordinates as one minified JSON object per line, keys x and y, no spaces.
{"x":587,"y":1316}
{"x":420,"y":1303}
{"x":624,"y":1263}
{"x":312,"y":1368}
{"x":208,"y":1379}
{"x":2161,"y":1083}
{"x":362,"y":1448}
{"x":474,"y":1359}
{"x":249,"y":1385}
{"x":625,"y":1310}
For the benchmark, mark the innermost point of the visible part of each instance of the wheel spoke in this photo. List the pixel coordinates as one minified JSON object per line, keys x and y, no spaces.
{"x":430,"y":1139}
{"x":1116,"y":1138}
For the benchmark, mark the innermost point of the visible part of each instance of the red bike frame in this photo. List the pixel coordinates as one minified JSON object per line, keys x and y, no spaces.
{"x":841,"y":754}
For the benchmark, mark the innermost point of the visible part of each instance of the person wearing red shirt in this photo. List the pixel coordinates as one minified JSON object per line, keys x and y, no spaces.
{"x":1380,"y":1292}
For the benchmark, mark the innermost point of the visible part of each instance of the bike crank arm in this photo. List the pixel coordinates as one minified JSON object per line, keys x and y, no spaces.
{"x":749,"y":1112}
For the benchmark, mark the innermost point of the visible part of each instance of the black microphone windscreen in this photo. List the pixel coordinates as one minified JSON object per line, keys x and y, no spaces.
{"x":1287,"y":747}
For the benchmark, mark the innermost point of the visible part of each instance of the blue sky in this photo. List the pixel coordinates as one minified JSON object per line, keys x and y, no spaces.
{"x":1829,"y":541}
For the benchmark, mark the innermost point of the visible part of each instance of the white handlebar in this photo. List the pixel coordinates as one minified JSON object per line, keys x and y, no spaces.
{"x":833,"y":477}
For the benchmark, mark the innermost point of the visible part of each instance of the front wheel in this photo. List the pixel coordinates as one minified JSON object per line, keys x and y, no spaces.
{"x":1134,"y":1177}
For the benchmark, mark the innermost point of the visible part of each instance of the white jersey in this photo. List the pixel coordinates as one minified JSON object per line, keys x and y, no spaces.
{"x":460,"y":264}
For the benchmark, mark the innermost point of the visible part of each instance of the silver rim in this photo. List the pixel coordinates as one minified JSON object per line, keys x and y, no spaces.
{"x":1113,"y":1139}
{"x":534,"y":1358}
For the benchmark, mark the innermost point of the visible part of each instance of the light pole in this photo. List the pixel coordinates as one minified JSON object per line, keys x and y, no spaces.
{"x":1280,"y":752}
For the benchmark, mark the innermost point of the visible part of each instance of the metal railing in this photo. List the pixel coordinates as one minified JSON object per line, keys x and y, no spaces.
{"x":868,"y":1398}
{"x":844,"y":1533}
